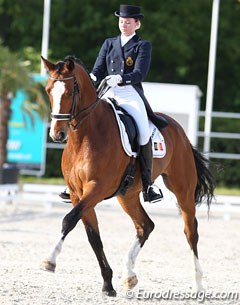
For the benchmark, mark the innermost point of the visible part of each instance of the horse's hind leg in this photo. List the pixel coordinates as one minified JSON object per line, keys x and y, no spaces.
{"x":90,"y":221}
{"x":185,"y":193}
{"x":144,"y":226}
{"x":191,"y":232}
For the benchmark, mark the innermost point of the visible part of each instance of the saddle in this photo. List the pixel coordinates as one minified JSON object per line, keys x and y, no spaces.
{"x":129,"y":133}
{"x":130,"y":125}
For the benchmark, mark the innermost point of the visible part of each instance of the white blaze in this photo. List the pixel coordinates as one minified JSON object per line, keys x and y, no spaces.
{"x":56,"y":92}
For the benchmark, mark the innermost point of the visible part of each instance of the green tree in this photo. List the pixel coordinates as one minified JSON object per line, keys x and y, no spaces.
{"x":179,"y":32}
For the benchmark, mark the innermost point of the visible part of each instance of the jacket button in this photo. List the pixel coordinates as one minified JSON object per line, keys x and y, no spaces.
{"x":121,"y":70}
{"x":113,"y":70}
{"x":112,"y":61}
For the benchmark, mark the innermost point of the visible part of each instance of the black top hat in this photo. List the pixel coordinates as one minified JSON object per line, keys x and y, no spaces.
{"x":129,"y":11}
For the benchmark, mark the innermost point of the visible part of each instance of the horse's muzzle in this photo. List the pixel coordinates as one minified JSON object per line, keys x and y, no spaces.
{"x":60,"y":136}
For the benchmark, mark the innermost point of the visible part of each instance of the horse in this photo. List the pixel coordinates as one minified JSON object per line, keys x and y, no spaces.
{"x":93,"y":163}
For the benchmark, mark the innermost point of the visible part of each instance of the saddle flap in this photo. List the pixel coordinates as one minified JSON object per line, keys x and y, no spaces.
{"x":131,"y":130}
{"x":129,"y":124}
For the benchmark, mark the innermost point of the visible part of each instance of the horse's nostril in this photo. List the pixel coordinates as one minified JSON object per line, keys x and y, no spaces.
{"x":60,"y":136}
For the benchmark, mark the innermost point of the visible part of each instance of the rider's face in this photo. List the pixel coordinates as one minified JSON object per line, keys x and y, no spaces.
{"x":127,"y":26}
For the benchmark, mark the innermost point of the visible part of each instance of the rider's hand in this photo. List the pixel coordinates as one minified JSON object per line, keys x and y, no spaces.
{"x":113,"y":80}
{"x":93,"y":77}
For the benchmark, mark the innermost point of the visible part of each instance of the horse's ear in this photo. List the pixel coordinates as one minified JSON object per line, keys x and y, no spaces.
{"x":70,"y":64}
{"x":48,"y":65}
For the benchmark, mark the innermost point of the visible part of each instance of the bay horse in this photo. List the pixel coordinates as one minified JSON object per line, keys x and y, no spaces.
{"x":93,"y":163}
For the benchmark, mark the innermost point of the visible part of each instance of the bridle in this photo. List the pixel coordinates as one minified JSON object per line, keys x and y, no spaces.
{"x":72,"y":116}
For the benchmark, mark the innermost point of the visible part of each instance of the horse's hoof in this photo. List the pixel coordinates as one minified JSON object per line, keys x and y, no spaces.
{"x":48,"y":266}
{"x":198,"y":288}
{"x":111,"y":293}
{"x":130,"y":282}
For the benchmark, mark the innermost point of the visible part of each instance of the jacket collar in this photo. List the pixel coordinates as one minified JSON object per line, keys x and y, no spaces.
{"x":125,"y":39}
{"x":119,"y":49}
{"x":133,"y":41}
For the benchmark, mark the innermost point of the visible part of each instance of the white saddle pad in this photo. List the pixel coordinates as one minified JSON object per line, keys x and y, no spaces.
{"x":158,"y":143}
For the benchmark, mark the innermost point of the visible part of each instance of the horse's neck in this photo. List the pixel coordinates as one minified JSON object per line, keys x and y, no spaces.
{"x":93,"y":115}
{"x":88,"y":132}
{"x":87,"y":94}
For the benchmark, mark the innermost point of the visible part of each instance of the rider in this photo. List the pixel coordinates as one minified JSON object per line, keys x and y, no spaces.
{"x":125,"y":60}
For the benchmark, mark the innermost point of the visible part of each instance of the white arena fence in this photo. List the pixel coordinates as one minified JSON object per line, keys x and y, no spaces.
{"x":48,"y":195}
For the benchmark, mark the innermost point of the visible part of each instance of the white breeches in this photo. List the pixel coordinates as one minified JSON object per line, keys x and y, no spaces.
{"x":128,"y":98}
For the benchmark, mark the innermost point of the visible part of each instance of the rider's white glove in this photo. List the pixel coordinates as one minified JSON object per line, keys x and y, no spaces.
{"x":93,"y":77}
{"x":113,"y":80}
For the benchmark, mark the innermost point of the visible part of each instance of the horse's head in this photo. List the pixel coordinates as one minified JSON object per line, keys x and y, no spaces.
{"x":62,"y":89}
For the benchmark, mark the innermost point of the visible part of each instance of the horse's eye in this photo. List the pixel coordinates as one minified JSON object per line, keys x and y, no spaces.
{"x":69,"y":94}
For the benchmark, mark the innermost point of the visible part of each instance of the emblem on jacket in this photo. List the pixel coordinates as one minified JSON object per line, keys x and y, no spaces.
{"x":129,"y":61}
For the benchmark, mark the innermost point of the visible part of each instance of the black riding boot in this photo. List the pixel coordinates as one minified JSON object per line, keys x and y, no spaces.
{"x":145,"y":158}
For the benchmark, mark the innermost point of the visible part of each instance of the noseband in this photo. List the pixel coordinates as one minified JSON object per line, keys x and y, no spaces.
{"x":72,"y":116}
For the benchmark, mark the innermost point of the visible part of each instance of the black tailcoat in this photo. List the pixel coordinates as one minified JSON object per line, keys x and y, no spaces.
{"x":132,"y":62}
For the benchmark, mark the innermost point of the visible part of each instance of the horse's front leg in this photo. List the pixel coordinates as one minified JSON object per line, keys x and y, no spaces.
{"x":90,"y":221}
{"x":68,"y":223}
{"x":85,"y":210}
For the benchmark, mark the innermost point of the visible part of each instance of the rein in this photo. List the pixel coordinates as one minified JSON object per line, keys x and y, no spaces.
{"x":70,"y":116}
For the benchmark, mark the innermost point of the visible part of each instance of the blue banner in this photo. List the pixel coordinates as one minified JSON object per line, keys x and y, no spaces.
{"x":27,"y":137}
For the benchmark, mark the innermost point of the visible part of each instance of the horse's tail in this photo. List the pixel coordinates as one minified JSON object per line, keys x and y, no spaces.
{"x":205,"y":183}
